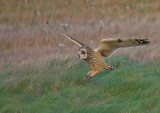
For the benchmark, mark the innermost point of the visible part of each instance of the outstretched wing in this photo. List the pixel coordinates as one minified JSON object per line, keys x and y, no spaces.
{"x":108,"y":46}
{"x":69,"y":37}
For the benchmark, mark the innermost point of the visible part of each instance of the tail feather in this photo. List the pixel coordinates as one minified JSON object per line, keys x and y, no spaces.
{"x":109,"y":67}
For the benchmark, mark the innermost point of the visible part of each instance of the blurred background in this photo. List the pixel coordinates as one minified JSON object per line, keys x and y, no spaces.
{"x":24,"y":34}
{"x":40,"y":71}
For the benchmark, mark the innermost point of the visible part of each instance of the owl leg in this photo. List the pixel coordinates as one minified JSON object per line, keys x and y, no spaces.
{"x":93,"y":73}
{"x":89,"y":73}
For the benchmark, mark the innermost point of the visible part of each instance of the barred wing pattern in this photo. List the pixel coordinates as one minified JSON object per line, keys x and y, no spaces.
{"x":108,"y":46}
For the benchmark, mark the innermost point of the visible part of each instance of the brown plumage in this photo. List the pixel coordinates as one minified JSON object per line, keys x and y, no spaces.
{"x":94,"y":57}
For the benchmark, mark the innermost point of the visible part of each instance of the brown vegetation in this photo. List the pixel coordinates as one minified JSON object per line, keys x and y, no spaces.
{"x":24,"y":34}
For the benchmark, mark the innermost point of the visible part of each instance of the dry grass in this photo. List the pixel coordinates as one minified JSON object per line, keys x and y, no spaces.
{"x":24,"y":34}
{"x":38,"y":11}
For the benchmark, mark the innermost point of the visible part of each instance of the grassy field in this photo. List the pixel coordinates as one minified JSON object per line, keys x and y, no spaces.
{"x":133,"y":87}
{"x":41,"y":73}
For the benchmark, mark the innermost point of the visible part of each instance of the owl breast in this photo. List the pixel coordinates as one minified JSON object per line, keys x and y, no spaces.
{"x":94,"y":58}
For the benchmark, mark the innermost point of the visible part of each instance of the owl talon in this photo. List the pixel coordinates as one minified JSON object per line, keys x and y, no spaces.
{"x":89,"y":77}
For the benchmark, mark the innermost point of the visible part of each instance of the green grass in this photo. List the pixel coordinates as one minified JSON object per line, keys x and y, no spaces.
{"x":133,"y":87}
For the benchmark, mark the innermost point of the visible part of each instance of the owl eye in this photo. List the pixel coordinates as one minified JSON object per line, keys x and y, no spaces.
{"x":82,"y":52}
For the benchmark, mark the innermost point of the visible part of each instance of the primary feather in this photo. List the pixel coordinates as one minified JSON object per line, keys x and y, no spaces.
{"x":67,"y":36}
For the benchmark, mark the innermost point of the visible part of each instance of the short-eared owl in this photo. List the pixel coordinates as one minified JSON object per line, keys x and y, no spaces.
{"x":94,"y":57}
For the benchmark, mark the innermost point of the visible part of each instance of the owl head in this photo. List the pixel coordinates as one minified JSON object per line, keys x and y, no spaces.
{"x":82,"y":53}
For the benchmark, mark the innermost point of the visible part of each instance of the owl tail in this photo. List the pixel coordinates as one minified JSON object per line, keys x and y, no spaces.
{"x":109,"y":67}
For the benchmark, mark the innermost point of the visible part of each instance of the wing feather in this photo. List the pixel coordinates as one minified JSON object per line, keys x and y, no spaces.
{"x":67,"y":36}
{"x":108,"y":46}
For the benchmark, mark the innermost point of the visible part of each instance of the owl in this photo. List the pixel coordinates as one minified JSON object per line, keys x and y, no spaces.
{"x":95,"y":57}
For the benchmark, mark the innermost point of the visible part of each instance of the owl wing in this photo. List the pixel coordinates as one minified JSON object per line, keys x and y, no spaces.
{"x":67,"y":36}
{"x":108,"y":46}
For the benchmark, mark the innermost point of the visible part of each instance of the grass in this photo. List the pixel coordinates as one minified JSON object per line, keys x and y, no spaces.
{"x":133,"y":87}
